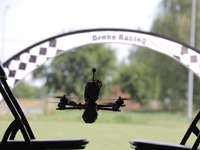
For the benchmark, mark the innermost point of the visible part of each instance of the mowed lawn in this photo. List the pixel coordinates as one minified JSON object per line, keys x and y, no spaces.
{"x":110,"y":131}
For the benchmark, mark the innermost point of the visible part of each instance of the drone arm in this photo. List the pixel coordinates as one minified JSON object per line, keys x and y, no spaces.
{"x":74,"y":106}
{"x":109,"y":109}
{"x":114,"y":107}
{"x":109,"y":105}
{"x":64,"y":108}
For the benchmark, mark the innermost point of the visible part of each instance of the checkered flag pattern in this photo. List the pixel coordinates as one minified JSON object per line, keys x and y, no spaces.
{"x":185,"y":55}
{"x":30,"y":60}
{"x":190,"y":59}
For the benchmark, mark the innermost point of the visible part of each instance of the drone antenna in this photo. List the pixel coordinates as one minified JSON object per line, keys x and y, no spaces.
{"x":93,"y":70}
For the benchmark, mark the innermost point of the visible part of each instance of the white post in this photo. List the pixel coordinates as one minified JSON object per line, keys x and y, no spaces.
{"x":190,"y":73}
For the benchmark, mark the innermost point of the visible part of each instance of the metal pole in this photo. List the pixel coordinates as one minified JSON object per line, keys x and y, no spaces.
{"x":190,"y":73}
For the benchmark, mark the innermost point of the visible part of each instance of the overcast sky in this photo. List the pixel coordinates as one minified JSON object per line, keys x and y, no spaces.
{"x":26,"y":22}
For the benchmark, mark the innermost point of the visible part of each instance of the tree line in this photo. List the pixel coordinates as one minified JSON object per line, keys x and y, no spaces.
{"x":149,"y":75}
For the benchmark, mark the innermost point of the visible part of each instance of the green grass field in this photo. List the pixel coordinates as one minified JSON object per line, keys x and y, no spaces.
{"x":110,"y":131}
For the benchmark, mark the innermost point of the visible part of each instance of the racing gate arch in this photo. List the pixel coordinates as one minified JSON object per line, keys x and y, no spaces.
{"x":29,"y":59}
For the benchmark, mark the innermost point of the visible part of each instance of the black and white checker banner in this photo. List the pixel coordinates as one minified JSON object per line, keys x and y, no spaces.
{"x":28,"y":60}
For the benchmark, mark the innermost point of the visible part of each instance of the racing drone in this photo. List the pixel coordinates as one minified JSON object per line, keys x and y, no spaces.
{"x":91,"y":95}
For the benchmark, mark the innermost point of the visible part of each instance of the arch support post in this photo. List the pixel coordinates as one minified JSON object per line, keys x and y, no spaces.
{"x":190,"y":73}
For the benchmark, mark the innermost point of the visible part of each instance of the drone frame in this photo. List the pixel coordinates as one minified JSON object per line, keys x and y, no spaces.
{"x":65,"y":102}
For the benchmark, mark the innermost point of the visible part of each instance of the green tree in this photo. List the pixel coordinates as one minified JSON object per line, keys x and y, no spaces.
{"x":23,"y":90}
{"x":173,"y":20}
{"x":137,"y":80}
{"x":69,"y":72}
{"x":172,"y":76}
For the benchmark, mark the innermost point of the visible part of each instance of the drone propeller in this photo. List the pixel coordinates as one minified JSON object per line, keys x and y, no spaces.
{"x":120,"y":99}
{"x":115,"y":106}
{"x":64,"y":99}
{"x":67,"y":97}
